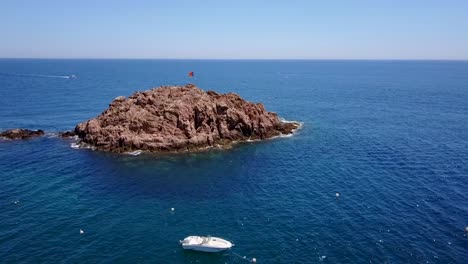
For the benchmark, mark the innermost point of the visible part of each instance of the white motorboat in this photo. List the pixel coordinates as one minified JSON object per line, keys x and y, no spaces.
{"x":205,"y":244}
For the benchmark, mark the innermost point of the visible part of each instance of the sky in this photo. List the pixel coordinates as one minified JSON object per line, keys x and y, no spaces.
{"x":208,"y":29}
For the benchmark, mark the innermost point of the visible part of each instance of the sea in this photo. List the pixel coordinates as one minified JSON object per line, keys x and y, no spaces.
{"x":378,"y":173}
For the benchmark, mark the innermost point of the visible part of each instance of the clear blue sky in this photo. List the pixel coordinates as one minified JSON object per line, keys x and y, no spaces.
{"x":347,"y":29}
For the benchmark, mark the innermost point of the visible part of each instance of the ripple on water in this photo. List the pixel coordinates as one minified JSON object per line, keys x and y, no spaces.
{"x":383,"y":135}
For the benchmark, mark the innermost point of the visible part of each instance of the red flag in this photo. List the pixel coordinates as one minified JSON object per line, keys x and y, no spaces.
{"x":190,"y":74}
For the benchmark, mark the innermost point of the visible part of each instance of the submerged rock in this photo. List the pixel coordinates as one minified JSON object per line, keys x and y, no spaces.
{"x":179,"y":118}
{"x":19,"y":133}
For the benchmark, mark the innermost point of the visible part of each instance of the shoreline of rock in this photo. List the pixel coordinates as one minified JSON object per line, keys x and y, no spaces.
{"x":179,"y":119}
{"x":78,"y":144}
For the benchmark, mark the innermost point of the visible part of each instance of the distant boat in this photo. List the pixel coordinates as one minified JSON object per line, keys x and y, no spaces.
{"x":72,"y":76}
{"x":205,"y":244}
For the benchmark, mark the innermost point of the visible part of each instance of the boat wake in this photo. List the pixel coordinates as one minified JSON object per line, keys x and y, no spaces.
{"x":38,"y":75}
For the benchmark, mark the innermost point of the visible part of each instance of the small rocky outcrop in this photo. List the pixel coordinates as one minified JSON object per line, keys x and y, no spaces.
{"x":179,"y":118}
{"x":19,"y":133}
{"x":67,"y":134}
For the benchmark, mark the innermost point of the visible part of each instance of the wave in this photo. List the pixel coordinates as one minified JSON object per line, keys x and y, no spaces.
{"x":293,"y":132}
{"x":134,"y":153}
{"x":51,"y":134}
{"x":290,"y":121}
{"x":301,"y":124}
{"x":285,"y":135}
{"x":81,"y":145}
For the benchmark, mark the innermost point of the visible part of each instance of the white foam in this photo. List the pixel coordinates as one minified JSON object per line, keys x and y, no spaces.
{"x":286,"y":135}
{"x":51,"y":135}
{"x":135,"y":153}
{"x":81,"y":145}
{"x":290,"y":121}
{"x":293,"y":132}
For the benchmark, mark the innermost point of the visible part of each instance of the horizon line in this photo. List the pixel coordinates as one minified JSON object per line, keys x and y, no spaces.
{"x":238,"y":59}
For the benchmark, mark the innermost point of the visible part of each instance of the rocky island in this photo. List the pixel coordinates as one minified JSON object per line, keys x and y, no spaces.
{"x":179,"y":118}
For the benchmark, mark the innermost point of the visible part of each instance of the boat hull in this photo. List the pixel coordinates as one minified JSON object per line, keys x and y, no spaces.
{"x":205,"y":244}
{"x":204,"y":249}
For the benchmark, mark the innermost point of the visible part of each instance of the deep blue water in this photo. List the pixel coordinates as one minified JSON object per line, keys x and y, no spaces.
{"x":390,"y":136}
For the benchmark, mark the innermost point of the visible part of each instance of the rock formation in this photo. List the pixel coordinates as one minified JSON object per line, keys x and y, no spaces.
{"x":179,"y":118}
{"x":19,"y":133}
{"x":67,"y":134}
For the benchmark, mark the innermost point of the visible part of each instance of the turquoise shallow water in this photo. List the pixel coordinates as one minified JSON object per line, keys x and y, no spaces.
{"x":390,"y":136}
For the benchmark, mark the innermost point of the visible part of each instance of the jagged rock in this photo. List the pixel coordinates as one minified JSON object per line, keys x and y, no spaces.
{"x":19,"y":133}
{"x":67,"y":134}
{"x":178,"y":118}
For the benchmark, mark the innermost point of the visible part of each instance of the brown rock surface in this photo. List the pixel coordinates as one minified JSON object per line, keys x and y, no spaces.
{"x":179,"y":118}
{"x":67,"y":134}
{"x":19,"y":133}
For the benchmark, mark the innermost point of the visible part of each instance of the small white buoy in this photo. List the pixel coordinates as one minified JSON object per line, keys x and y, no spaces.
{"x":172,"y":209}
{"x":466,"y":229}
{"x":337,"y":194}
{"x":254,"y":260}
{"x":16,"y":202}
{"x":81,"y":231}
